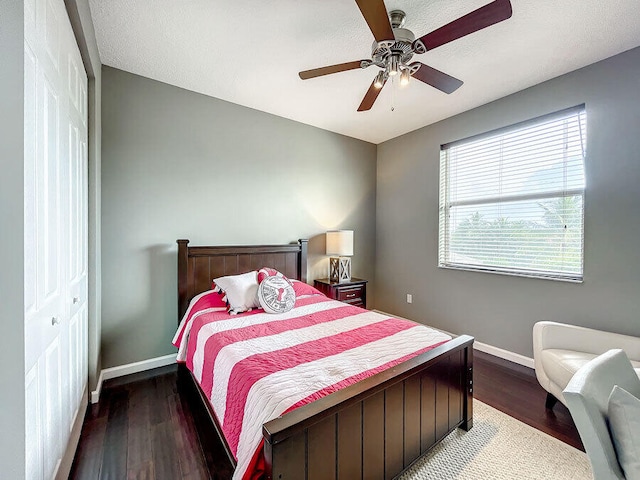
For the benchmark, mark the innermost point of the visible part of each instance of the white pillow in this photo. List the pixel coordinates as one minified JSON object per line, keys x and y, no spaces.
{"x":624,"y":425}
{"x":276,"y":295}
{"x":241,"y":290}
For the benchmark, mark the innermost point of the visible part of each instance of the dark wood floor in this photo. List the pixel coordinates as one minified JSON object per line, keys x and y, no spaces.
{"x":514,"y":390}
{"x":145,"y":426}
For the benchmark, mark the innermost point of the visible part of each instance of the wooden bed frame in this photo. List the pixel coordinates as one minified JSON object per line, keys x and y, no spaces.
{"x":373,"y":429}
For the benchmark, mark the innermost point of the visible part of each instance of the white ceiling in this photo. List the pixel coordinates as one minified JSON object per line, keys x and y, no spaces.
{"x":250,"y":52}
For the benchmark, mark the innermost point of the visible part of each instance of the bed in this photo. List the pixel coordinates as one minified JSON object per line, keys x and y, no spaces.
{"x":375,"y":428}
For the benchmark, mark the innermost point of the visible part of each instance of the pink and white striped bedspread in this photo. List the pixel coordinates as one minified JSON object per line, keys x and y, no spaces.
{"x":256,"y":366}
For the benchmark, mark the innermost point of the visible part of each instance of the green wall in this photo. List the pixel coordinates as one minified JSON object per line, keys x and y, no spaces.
{"x":12,"y":398}
{"x":177,"y":164}
{"x":501,"y":310}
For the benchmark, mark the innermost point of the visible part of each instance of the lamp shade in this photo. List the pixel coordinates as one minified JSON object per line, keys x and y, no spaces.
{"x":340,"y":242}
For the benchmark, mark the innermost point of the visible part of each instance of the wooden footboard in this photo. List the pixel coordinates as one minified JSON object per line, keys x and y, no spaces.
{"x":378,"y":427}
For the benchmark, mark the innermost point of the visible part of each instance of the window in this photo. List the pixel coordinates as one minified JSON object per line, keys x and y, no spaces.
{"x":512,"y":200}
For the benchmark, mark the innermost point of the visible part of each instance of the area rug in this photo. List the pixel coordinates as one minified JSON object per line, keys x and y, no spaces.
{"x":500,"y":447}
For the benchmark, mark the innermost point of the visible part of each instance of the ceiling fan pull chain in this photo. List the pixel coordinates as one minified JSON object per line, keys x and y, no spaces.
{"x":393,"y":92}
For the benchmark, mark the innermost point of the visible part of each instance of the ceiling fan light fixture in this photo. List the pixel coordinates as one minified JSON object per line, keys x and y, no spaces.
{"x":394,"y":65}
{"x":379,"y":81}
{"x":404,"y":77}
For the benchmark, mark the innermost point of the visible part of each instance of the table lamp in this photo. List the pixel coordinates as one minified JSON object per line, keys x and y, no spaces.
{"x":340,"y":243}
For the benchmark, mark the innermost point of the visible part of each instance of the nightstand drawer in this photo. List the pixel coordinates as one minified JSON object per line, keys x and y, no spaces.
{"x":350,"y":294}
{"x":357,"y":302}
{"x":353,"y":292}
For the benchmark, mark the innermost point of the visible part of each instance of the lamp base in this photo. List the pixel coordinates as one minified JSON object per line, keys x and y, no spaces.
{"x":340,"y":269}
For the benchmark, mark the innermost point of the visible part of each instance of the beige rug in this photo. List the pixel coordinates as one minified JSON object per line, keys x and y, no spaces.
{"x":500,"y":447}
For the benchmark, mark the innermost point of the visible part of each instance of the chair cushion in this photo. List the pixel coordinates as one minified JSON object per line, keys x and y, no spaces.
{"x":587,"y":396}
{"x":560,"y":365}
{"x":624,"y":425}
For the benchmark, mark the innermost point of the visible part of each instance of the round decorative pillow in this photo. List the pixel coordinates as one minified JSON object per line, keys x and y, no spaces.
{"x":265,"y":272}
{"x":276,"y":295}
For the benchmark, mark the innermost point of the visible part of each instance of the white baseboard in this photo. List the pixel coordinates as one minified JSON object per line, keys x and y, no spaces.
{"x":505,"y":354}
{"x":143,"y":365}
{"x":128,"y":369}
{"x":95,"y":394}
{"x":485,"y":347}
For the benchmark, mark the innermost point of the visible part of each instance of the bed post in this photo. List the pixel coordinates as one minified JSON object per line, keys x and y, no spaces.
{"x":183,"y":260}
{"x":302,"y":263}
{"x":467,"y":405}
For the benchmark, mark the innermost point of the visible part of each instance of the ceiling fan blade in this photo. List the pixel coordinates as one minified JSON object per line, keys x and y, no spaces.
{"x":370,"y":97}
{"x":483,"y":17}
{"x":436,"y":78}
{"x":375,"y":13}
{"x":340,"y":67}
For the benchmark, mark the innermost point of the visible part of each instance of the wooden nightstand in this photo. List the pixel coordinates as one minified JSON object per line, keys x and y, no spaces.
{"x":353,"y":292}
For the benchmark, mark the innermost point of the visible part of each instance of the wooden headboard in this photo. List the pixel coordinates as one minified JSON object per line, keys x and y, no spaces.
{"x":198,"y":266}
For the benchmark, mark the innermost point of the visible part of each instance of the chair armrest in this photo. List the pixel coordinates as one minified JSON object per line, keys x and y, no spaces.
{"x":548,"y":335}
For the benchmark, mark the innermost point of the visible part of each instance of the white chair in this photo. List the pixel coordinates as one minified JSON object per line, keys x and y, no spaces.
{"x":587,"y":396}
{"x":559,"y":350}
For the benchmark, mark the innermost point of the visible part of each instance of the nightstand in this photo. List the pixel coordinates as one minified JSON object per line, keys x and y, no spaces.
{"x":353,"y":292}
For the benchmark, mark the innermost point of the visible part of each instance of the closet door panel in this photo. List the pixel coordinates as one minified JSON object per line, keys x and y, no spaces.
{"x":51,"y":26}
{"x":48,"y":201}
{"x":33,"y":434}
{"x":53,"y":414}
{"x":74,"y":368}
{"x":76,"y":193}
{"x":30,"y":231}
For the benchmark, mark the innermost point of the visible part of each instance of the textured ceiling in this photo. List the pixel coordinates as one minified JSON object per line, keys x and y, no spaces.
{"x":250,"y":52}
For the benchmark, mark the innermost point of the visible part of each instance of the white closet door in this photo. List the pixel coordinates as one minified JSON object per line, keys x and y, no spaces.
{"x":77,"y":256}
{"x":55,"y":201}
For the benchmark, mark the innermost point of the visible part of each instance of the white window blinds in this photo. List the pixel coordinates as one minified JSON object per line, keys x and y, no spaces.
{"x":511,"y":201}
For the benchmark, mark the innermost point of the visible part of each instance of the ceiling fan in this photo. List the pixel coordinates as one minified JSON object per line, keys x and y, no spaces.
{"x":395,"y":46}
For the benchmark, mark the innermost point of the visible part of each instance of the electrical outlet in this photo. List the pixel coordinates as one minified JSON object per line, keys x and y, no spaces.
{"x":409,"y":298}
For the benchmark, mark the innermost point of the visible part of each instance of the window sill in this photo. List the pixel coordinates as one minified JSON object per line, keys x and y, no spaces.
{"x":513,"y":274}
